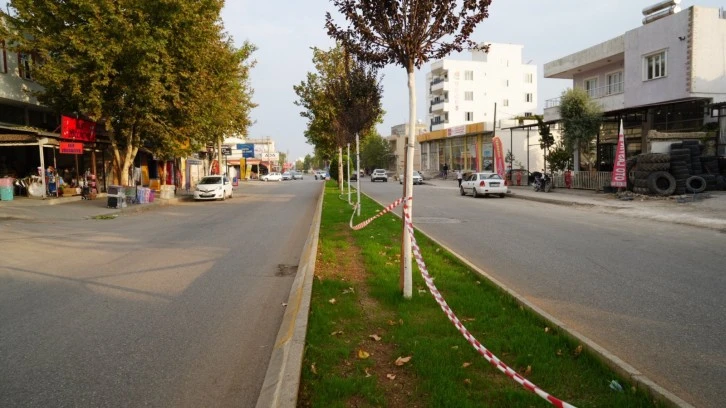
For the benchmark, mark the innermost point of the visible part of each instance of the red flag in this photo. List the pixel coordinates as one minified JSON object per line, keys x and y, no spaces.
{"x":619,"y":177}
{"x":498,"y":156}
{"x":78,"y":129}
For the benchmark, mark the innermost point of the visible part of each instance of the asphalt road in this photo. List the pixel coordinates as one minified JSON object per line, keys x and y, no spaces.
{"x":174,"y":307}
{"x":652,"y":293}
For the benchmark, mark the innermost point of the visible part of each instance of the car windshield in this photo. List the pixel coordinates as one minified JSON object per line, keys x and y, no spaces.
{"x":211,"y":180}
{"x":494,"y":176}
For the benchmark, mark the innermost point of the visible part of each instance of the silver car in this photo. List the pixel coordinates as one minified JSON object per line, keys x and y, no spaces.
{"x":417,"y":179}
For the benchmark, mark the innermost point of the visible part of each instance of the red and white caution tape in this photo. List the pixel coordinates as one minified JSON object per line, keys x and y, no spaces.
{"x":491,"y":358}
{"x":368,"y":221}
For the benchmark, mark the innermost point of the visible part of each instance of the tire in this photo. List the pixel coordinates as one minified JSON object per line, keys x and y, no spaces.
{"x":641,"y":183}
{"x":224,"y":196}
{"x":501,"y":195}
{"x":475,"y":193}
{"x":230,"y":195}
{"x":651,"y":167}
{"x":662,"y":183}
{"x":695,"y":184}
{"x":654,"y":158}
{"x":680,"y":152}
{"x":641,"y":175}
{"x":680,"y":175}
{"x":461,"y":190}
{"x":684,"y":158}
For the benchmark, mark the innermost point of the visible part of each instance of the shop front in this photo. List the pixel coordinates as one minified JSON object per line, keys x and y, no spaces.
{"x":467,"y":148}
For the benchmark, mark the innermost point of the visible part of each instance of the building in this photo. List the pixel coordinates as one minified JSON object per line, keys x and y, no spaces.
{"x":663,"y":76}
{"x":471,"y":101}
{"x":399,"y":140}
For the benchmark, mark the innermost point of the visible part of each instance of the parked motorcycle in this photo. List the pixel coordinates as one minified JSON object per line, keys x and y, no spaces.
{"x":542,"y":182}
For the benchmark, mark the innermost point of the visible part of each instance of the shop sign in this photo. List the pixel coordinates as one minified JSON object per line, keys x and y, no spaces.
{"x":456,"y":131}
{"x":78,"y":129}
{"x":226,"y":150}
{"x":71,"y":148}
{"x":273,"y":156}
{"x":248,"y":149}
{"x":498,"y":156}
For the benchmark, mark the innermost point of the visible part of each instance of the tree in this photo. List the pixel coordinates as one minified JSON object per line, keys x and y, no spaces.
{"x":407,"y":33}
{"x":308,"y":162}
{"x":162,"y":75}
{"x":559,"y":157}
{"x":546,"y":138}
{"x":509,"y":159}
{"x":581,"y":119}
{"x":375,"y":151}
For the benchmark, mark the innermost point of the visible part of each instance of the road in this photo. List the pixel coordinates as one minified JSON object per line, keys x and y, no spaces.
{"x":651,"y":293}
{"x":178,"y":306}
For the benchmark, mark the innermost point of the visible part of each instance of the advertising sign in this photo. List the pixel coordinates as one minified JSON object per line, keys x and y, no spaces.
{"x":498,"y":156}
{"x":78,"y":129}
{"x":71,"y":148}
{"x":456,"y":131}
{"x":226,"y":150}
{"x":619,"y":177}
{"x":272,"y":156}
{"x":248,"y":149}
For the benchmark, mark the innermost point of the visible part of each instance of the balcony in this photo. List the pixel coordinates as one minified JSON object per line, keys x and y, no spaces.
{"x":610,"y":97}
{"x":438,"y":105}
{"x":437,"y":85}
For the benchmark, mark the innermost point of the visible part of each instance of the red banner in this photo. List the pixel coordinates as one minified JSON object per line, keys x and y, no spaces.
{"x":78,"y":129}
{"x":71,"y":148}
{"x":619,"y":177}
{"x":498,"y":156}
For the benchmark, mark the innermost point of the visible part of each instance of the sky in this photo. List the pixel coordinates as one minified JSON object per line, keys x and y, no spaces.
{"x":284,"y":32}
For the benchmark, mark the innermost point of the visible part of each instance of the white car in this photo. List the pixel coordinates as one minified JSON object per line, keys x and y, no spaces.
{"x":417,"y":179}
{"x":321,"y":175}
{"x":484,"y":184}
{"x":379,"y":174}
{"x":296,"y":175}
{"x":287,"y":175}
{"x":213,"y":188}
{"x":272,"y":176}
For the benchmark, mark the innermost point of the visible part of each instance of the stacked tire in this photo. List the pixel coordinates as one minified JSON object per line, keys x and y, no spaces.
{"x":651,"y":174}
{"x":695,"y":151}
{"x":680,"y":166}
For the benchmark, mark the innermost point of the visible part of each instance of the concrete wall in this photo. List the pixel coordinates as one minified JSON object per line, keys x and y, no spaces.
{"x":12,"y":87}
{"x":709,"y":54}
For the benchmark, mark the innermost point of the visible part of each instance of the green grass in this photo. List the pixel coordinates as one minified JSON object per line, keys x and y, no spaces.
{"x":435,"y":374}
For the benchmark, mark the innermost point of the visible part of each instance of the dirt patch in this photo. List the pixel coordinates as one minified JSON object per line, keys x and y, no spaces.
{"x":398,"y":383}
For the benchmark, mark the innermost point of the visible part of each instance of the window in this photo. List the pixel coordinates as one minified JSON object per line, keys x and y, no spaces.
{"x":654,"y":66}
{"x":469,"y":75}
{"x":590,"y":86}
{"x":24,"y":64}
{"x":528,"y":78}
{"x":469,"y":116}
{"x":528,"y":97}
{"x":3,"y":58}
{"x":506,"y":83}
{"x":615,"y":83}
{"x":505,"y":102}
{"x":468,"y":96}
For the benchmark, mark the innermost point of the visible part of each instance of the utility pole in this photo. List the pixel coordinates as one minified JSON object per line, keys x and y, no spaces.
{"x":348,"y":162}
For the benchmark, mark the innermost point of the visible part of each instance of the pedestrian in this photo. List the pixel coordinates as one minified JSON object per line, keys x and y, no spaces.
{"x":459,"y":176}
{"x":446,"y":171}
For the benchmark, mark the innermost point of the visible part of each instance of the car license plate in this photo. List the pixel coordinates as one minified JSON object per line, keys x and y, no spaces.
{"x":494,"y":184}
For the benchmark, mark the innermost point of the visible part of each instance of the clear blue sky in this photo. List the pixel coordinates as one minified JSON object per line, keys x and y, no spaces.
{"x":284,"y":31}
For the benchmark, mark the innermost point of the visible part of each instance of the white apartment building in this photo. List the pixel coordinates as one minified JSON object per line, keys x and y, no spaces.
{"x":665,"y":75}
{"x":464,"y":92}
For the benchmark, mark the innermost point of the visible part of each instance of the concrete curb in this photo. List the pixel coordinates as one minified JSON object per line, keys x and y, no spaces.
{"x":615,"y":363}
{"x":282,"y":380}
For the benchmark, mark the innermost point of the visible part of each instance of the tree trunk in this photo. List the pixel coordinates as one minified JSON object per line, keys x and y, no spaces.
{"x":340,"y":168}
{"x":406,"y":266}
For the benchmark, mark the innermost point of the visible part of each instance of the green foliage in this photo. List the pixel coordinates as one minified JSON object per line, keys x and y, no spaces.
{"x":559,"y":157}
{"x":334,"y":167}
{"x":509,"y":158}
{"x":581,"y":119}
{"x":546,"y":138}
{"x":375,"y":152}
{"x":162,"y":75}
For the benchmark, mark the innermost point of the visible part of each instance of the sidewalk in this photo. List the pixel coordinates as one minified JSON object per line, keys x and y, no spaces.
{"x":708,"y":210}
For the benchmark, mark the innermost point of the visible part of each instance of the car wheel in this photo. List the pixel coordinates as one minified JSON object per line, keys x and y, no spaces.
{"x":230,"y":194}
{"x":501,"y":195}
{"x":474,"y":193}
{"x":461,"y":191}
{"x":224,"y":195}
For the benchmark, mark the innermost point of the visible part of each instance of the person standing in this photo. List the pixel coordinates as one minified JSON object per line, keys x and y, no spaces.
{"x":459,"y":176}
{"x":446,"y":171}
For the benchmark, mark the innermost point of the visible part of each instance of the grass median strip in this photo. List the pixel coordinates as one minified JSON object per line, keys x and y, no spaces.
{"x":368,"y":347}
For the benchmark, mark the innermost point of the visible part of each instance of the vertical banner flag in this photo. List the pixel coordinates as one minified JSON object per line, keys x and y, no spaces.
{"x":78,"y":129}
{"x":619,"y":177}
{"x":498,"y":156}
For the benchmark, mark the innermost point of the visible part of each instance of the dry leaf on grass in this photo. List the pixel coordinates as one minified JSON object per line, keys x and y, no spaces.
{"x":478,"y":282}
{"x":528,"y":371}
{"x":362,"y":354}
{"x":467,"y":364}
{"x":349,"y":290}
{"x":367,"y":373}
{"x":455,"y":347}
{"x":467,"y":381}
{"x":313,"y":369}
{"x":391,"y":376}
{"x":422,"y":291}
{"x":284,"y":305}
{"x":332,"y":301}
{"x":402,"y":360}
{"x":375,"y":337}
{"x":578,"y":350}
{"x":468,"y":319}
{"x":559,"y":352}
{"x":336,"y":333}
{"x":547,"y":329}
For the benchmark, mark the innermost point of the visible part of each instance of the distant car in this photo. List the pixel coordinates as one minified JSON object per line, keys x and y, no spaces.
{"x":296,"y":175}
{"x":213,"y":188}
{"x":287,"y":175}
{"x":272,"y":176}
{"x":417,"y":179}
{"x":320,"y":174}
{"x":379,"y":174}
{"x":484,"y":184}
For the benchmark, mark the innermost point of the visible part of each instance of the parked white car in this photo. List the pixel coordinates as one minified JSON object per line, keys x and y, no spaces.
{"x":417,"y":179}
{"x":484,"y":184}
{"x":272,"y":176}
{"x":379,"y":174}
{"x":213,"y":188}
{"x":287,"y":175}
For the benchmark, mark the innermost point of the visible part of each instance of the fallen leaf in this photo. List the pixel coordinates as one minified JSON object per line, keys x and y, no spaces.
{"x":362,"y":354}
{"x":284,"y":305}
{"x":559,"y":352}
{"x":455,"y":348}
{"x":465,"y":365}
{"x":400,"y":321}
{"x":349,"y":290}
{"x":547,"y":329}
{"x":421,"y":291}
{"x":438,"y":249}
{"x":367,"y":373}
{"x":478,"y":283}
{"x":313,"y":369}
{"x":468,"y":319}
{"x":391,"y":376}
{"x":578,"y":350}
{"x":467,"y":381}
{"x":391,"y":323}
{"x":332,"y":301}
{"x":402,"y":360}
{"x":375,"y":337}
{"x":336,"y":333}
{"x":528,"y":371}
